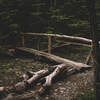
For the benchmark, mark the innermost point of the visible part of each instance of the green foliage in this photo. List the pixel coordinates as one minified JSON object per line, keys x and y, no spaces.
{"x":50,"y":30}
{"x":36,"y":13}
{"x":66,"y":17}
{"x":88,"y":95}
{"x":79,"y":23}
{"x":13,"y":28}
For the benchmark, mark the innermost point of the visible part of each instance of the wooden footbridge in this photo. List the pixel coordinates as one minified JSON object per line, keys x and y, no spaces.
{"x":53,"y":58}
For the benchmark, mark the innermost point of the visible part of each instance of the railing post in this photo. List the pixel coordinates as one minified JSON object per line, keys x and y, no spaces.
{"x":23,"y":41}
{"x":49,"y":44}
{"x":89,"y":57}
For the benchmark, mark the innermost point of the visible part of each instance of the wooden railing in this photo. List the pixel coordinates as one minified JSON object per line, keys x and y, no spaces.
{"x":37,"y":34}
{"x":73,"y":40}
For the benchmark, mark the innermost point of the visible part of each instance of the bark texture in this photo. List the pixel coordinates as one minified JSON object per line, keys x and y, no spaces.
{"x":96,"y":48}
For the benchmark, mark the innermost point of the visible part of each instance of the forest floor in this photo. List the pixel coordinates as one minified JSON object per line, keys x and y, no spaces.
{"x":11,"y":70}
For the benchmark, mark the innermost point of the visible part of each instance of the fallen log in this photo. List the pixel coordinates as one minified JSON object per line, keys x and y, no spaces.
{"x":20,"y":86}
{"x":50,"y":57}
{"x":23,"y":85}
{"x":50,"y":77}
{"x":44,"y":76}
{"x":60,"y":69}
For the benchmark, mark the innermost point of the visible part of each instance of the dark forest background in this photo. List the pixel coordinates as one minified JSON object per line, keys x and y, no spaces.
{"x":70,"y":17}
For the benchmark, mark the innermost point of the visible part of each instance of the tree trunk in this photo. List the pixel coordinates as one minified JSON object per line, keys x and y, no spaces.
{"x":96,"y":49}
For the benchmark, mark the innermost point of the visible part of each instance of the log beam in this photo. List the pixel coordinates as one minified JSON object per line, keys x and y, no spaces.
{"x":51,"y":57}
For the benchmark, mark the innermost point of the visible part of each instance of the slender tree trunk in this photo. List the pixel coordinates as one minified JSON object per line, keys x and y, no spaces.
{"x":55,"y":3}
{"x":96,"y":54}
